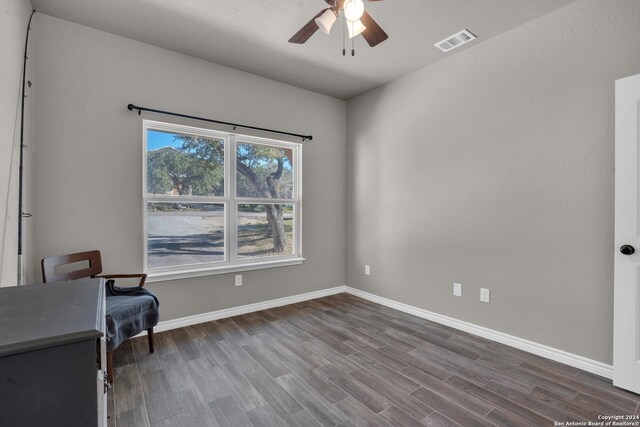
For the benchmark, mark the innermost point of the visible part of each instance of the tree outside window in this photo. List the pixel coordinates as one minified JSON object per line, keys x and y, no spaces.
{"x":199,"y":214}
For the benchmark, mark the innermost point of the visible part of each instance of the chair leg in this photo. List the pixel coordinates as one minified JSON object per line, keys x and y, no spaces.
{"x":152,"y":347}
{"x":110,"y":366}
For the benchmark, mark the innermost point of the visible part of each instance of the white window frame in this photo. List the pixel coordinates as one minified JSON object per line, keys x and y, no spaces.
{"x":231,"y":262}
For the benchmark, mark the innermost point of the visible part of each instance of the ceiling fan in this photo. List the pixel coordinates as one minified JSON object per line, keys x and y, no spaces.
{"x":358,"y":21}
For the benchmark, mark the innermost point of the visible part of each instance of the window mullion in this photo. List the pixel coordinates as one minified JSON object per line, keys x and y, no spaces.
{"x":232,"y":217}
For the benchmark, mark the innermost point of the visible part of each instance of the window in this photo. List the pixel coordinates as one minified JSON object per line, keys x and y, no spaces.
{"x":218,"y":202}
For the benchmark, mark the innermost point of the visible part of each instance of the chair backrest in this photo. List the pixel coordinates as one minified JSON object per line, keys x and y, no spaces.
{"x":51,"y":271}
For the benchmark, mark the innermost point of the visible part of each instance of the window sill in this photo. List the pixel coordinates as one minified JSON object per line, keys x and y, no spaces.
{"x":210,"y":271}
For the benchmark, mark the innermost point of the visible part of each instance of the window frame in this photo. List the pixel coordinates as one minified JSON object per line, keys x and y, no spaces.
{"x":231,"y":262}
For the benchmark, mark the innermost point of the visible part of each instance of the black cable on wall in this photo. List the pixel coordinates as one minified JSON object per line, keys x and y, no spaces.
{"x":21,"y":214}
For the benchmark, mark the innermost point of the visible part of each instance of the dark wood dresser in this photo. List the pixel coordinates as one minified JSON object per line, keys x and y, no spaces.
{"x":52,"y":354}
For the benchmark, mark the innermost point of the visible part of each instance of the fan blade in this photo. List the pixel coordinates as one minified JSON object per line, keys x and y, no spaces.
{"x":374,"y":35}
{"x":307,"y":30}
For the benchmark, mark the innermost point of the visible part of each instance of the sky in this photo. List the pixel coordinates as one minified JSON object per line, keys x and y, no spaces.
{"x":157,"y":139}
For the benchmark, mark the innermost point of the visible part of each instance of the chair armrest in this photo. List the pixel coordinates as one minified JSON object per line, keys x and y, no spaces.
{"x":142,"y":276}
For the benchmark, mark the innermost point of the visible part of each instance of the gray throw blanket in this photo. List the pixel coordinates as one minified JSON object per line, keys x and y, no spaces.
{"x":130,"y":311}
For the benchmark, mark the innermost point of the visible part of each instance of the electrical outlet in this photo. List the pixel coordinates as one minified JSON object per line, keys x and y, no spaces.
{"x":367,"y":270}
{"x":238,"y":279}
{"x":457,"y":289}
{"x":485,"y":294}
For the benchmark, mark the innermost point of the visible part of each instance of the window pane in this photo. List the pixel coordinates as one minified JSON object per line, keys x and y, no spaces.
{"x":180,"y":164}
{"x":264,"y":171}
{"x":184,"y":233}
{"x":265,"y":230}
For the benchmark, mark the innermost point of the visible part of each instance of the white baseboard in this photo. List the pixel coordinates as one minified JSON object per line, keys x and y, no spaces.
{"x":243,"y":309}
{"x":561,"y":356}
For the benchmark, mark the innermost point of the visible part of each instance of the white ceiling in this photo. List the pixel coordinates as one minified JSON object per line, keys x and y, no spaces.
{"x":251,"y":35}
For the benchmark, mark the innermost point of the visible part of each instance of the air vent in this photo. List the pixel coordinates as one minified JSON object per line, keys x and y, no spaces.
{"x":456,"y":40}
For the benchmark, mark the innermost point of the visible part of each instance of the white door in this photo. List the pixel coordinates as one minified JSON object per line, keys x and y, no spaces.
{"x":626,"y":307}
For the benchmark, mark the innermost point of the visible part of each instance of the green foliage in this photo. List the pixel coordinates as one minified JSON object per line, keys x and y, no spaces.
{"x":264,"y":162}
{"x":196,"y":167}
{"x":158,"y":179}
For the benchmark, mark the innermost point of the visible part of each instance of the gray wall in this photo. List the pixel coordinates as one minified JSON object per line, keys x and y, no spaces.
{"x":495,"y":168}
{"x":14,"y":15}
{"x":88,"y":176}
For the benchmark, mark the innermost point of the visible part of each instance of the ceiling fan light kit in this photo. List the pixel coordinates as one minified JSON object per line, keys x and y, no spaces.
{"x":355,"y":28}
{"x":326,"y":20}
{"x":353,"y":9}
{"x":357,"y":20}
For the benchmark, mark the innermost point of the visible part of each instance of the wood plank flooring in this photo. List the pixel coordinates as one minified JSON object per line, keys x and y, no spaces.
{"x":344,"y":361}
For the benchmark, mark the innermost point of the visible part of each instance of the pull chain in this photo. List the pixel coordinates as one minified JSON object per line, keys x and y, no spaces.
{"x":353,"y":50}
{"x":344,"y":50}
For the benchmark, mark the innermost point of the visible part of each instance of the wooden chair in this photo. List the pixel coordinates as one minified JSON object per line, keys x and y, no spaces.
{"x":51,"y":273}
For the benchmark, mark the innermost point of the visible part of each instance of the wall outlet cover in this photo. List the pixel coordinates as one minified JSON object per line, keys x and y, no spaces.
{"x":457,"y":289}
{"x":485,"y":294}
{"x":367,"y":270}
{"x":238,"y":280}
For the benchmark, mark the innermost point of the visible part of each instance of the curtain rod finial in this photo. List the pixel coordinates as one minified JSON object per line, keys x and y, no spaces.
{"x":131,"y":107}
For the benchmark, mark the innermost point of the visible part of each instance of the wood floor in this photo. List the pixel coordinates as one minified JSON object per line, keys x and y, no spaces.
{"x":343,"y":361}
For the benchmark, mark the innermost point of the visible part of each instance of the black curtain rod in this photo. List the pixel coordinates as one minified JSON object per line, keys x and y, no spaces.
{"x":132,"y":107}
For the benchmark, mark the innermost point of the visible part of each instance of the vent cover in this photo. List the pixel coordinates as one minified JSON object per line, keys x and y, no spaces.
{"x":454,"y":41}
